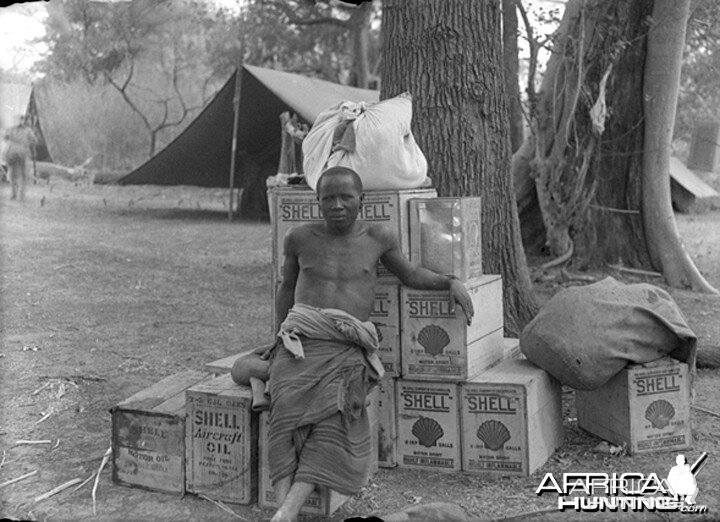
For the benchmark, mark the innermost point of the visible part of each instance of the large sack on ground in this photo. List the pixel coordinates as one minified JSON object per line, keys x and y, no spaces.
{"x":374,"y":140}
{"x":585,"y":335}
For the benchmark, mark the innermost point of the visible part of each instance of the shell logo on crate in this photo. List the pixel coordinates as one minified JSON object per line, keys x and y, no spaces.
{"x":428,"y":305}
{"x":293,"y":210}
{"x":657,"y":382}
{"x":494,"y":434}
{"x":433,"y":339}
{"x":428,"y":431}
{"x":492,"y":404}
{"x":660,"y":413}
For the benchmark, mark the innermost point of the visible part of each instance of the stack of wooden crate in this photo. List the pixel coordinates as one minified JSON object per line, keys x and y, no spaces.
{"x":453,"y":397}
{"x":434,"y":361}
{"x":465,"y":402}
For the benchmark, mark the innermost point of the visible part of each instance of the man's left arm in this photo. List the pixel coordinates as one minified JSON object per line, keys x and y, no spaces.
{"x":421,"y":278}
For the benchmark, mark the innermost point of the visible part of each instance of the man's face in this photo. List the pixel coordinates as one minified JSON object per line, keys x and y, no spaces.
{"x":340,"y":201}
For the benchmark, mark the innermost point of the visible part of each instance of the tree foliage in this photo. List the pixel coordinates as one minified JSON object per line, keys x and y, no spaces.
{"x":699,"y":97}
{"x":145,"y":50}
{"x":318,"y":39}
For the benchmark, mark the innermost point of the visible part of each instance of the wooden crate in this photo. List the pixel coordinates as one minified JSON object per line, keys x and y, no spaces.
{"x":221,"y":433}
{"x":148,"y":435}
{"x":438,"y":345}
{"x":445,"y":235}
{"x":511,"y":419}
{"x":387,"y":423}
{"x":386,"y":318}
{"x":291,"y":207}
{"x":323,"y":501}
{"x":645,"y":407}
{"x":428,"y":425}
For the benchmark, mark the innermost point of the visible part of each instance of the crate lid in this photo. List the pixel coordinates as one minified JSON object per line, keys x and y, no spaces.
{"x":168,"y":388}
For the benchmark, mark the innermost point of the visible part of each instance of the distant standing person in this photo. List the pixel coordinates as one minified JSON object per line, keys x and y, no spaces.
{"x":21,"y":143}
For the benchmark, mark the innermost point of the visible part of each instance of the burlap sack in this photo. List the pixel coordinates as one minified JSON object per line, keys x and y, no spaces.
{"x":585,"y":335}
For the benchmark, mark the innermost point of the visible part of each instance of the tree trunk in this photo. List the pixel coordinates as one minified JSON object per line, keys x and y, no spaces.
{"x":448,"y":54}
{"x":537,"y":144}
{"x":666,"y":41}
{"x":360,"y":36}
{"x":510,"y":60}
{"x":561,"y":147}
{"x":613,"y":232}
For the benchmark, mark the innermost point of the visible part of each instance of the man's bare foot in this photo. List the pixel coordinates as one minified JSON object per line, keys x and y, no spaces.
{"x":281,"y":516}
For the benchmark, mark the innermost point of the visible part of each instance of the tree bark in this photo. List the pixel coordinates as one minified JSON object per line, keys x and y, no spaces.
{"x":448,"y":55}
{"x":360,"y":29}
{"x":510,"y":60}
{"x":613,"y":232}
{"x":666,"y":41}
{"x":537,"y":144}
{"x":614,"y":36}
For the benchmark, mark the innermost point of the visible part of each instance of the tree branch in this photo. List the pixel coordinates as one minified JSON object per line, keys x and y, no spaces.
{"x":293,"y":19}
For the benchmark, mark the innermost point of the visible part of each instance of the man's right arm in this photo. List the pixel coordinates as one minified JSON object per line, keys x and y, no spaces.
{"x":421,"y":278}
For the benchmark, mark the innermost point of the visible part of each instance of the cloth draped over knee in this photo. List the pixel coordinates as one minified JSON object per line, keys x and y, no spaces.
{"x":319,"y":431}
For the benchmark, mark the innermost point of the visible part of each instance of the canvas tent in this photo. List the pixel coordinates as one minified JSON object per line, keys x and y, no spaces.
{"x":200,"y":155}
{"x":17,"y":99}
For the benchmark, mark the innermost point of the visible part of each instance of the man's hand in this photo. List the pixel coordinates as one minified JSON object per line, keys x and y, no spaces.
{"x":265,"y":352}
{"x":459,"y":295}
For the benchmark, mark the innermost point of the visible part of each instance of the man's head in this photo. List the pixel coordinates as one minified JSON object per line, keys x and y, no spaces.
{"x":334,"y":172}
{"x":340,"y":193}
{"x":680,"y":460}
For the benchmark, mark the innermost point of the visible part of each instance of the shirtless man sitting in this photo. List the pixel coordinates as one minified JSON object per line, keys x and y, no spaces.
{"x":326,"y":358}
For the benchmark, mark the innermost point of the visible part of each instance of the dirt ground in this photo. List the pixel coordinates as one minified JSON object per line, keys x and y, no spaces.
{"x":105,"y":290}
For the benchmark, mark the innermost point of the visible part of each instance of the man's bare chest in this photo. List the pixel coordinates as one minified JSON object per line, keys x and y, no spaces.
{"x":360,"y":252}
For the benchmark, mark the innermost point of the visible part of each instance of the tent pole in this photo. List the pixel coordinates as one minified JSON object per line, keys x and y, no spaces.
{"x":236,"y":111}
{"x":236,"y":107}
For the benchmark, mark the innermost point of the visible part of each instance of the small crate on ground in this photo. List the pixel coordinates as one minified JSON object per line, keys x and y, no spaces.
{"x":511,"y":419}
{"x":646,"y":407}
{"x":222,"y":435}
{"x":148,"y":435}
{"x":428,"y":425}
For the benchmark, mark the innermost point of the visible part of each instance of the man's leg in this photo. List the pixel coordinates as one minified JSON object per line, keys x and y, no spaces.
{"x":290,"y":508}
{"x":282,"y":488}
{"x":22,"y":181}
{"x":12,"y":169}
